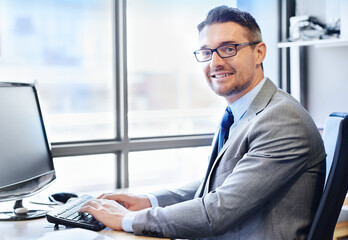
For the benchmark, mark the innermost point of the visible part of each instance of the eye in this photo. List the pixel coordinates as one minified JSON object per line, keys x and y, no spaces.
{"x":227,"y":49}
{"x":205,"y":52}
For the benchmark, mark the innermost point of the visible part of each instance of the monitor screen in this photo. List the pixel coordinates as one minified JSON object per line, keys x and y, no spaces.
{"x":26,"y":164}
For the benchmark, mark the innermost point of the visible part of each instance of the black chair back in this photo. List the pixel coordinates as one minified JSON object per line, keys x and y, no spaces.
{"x":335,"y":138}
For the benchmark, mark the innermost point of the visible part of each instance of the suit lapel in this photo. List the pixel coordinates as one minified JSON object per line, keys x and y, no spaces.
{"x":212,"y":158}
{"x":259,"y":103}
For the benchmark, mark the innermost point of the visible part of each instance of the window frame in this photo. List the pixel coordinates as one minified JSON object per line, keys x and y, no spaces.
{"x":122,"y":145}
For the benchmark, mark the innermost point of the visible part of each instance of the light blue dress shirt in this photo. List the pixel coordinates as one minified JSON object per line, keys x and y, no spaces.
{"x":238,"y":109}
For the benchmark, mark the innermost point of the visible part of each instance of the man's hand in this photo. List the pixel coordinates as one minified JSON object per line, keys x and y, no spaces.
{"x":106,"y":211}
{"x":130,"y":201}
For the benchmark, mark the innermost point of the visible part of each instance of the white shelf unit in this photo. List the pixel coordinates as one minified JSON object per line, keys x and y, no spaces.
{"x":335,"y":42}
{"x":295,"y":59}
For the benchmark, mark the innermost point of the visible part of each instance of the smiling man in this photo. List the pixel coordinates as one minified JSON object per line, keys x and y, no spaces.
{"x":267,"y":168}
{"x":228,"y":76}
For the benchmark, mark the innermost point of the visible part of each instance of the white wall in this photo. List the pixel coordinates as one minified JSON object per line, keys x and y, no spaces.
{"x":327,"y":81}
{"x":327,"y":85}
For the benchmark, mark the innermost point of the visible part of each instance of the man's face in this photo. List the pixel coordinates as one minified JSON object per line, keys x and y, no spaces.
{"x":234,"y":76}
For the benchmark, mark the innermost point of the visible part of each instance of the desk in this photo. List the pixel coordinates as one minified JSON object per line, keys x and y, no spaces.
{"x":40,"y":229}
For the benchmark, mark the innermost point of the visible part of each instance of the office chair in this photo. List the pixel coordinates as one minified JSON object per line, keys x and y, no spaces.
{"x":335,"y":138}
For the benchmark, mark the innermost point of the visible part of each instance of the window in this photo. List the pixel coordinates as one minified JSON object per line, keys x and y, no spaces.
{"x":173,"y":167}
{"x":123,"y":98}
{"x":168,"y":93}
{"x":84,"y":173}
{"x":67,"y":47}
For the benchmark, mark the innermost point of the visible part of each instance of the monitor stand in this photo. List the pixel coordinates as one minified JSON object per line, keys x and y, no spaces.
{"x":20,"y":213}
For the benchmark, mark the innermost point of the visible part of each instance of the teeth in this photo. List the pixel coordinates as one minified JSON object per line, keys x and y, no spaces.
{"x":223,"y":75}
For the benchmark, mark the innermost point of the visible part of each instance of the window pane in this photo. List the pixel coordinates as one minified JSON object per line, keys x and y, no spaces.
{"x":168,"y":94}
{"x":68,"y":48}
{"x":84,"y":173}
{"x":167,"y":168}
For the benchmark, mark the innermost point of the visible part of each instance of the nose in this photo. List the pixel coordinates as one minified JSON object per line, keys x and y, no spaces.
{"x":216,"y":60}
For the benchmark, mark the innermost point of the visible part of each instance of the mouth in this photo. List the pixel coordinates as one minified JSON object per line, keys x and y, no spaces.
{"x":222,"y":75}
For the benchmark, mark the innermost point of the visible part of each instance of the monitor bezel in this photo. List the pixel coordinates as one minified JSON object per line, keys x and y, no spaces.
{"x":46,"y":178}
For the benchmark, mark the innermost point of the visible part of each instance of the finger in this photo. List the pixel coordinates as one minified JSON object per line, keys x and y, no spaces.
{"x":91,"y":204}
{"x":87,"y":209}
{"x":111,"y":196}
{"x":120,"y":198}
{"x":96,"y":205}
{"x":103,"y":195}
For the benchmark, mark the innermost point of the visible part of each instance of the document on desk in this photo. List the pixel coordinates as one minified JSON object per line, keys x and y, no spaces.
{"x":74,"y":234}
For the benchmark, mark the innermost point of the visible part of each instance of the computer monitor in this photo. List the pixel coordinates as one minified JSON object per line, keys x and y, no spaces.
{"x":26,"y":164}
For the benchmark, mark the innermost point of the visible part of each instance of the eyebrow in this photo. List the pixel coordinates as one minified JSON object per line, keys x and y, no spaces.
{"x":222,"y":43}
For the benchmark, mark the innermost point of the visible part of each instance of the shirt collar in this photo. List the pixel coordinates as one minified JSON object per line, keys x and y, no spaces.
{"x":240,"y":106}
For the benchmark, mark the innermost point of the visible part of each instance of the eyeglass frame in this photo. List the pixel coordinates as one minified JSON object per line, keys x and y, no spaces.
{"x":216,"y":50}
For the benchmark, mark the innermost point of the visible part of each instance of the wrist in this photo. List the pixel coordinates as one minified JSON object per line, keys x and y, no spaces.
{"x":127,"y":222}
{"x":152,"y":199}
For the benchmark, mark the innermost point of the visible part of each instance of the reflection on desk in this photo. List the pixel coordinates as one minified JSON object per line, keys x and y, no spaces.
{"x":40,"y":229}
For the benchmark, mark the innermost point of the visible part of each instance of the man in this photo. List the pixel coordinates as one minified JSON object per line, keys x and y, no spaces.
{"x":266,"y":180}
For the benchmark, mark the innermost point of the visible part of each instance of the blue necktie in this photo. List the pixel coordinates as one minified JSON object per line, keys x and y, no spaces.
{"x":227,"y":121}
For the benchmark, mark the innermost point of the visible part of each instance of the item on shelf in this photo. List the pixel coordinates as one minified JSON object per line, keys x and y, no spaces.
{"x":333,"y":27}
{"x":308,"y":28}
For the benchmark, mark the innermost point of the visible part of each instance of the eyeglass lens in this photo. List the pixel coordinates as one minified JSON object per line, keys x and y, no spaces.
{"x":223,"y":51}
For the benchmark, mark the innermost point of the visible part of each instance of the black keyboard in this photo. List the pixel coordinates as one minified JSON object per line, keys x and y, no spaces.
{"x":68,"y":215}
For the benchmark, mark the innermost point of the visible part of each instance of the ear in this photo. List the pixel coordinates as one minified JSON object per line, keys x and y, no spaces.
{"x":260,"y":52}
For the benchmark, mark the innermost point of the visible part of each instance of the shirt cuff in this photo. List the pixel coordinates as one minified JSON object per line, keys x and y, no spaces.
{"x":127,"y":222}
{"x":153,"y":199}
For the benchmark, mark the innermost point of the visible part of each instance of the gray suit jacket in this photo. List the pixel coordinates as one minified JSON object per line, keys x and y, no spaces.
{"x":265,"y":183}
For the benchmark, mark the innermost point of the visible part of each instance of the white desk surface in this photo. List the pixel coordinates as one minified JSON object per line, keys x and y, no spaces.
{"x":40,"y":229}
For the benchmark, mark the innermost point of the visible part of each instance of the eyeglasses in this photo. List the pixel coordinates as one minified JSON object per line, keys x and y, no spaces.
{"x":224,"y":51}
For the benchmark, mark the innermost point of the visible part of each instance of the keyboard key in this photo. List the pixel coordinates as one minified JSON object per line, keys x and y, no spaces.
{"x":68,"y":215}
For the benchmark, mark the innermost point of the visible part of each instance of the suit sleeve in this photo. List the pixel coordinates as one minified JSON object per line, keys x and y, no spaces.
{"x":280,"y":145}
{"x":169,"y":197}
